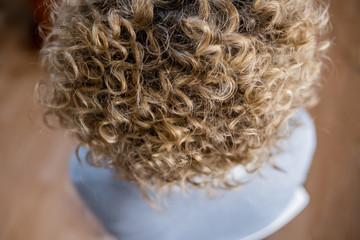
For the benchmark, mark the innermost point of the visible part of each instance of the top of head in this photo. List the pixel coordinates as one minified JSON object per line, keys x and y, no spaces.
{"x":165,"y":91}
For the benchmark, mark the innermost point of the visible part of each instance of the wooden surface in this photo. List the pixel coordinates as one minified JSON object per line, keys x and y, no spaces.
{"x":37,"y":201}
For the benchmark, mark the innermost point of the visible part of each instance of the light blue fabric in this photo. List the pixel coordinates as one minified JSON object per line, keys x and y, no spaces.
{"x":232,"y":215}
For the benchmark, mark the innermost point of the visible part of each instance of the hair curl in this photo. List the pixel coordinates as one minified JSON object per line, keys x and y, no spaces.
{"x":165,"y":92}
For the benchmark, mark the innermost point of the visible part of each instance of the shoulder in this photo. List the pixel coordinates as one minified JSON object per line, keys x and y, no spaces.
{"x":298,"y":148}
{"x":81,"y":171}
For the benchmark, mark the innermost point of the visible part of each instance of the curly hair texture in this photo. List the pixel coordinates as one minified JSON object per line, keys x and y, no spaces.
{"x":175,"y":92}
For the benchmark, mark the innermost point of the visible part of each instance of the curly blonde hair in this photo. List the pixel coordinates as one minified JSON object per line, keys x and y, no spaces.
{"x":169,"y":92}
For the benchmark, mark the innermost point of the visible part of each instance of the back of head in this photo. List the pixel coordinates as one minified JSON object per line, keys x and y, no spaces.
{"x":166,"y":92}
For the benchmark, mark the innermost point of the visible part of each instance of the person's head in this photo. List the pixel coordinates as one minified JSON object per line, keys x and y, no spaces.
{"x":169,"y":91}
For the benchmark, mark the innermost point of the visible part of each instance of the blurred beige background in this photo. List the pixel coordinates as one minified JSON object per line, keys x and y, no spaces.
{"x":37,"y":201}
